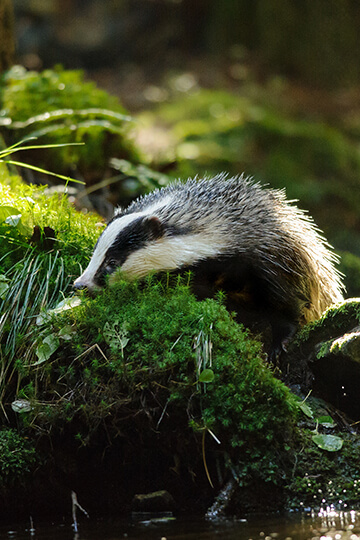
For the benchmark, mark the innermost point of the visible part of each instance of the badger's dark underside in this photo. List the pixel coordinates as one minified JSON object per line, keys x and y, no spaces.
{"x":260,"y":304}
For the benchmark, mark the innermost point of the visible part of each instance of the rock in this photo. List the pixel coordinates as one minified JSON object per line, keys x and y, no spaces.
{"x":325,"y":358}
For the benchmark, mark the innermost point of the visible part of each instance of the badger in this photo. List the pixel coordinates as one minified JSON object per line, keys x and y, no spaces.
{"x":266,"y":254}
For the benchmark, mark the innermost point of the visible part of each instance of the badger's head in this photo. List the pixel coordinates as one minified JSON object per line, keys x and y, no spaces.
{"x":144,"y":242}
{"x":124,"y":243}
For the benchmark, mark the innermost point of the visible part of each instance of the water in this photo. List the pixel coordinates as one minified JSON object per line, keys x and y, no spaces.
{"x":323,"y":525}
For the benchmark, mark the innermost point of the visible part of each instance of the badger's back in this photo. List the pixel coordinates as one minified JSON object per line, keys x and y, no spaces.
{"x":269,"y":232}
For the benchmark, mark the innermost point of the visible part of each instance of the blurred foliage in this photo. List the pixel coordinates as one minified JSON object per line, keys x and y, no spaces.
{"x":59,"y":106}
{"x":319,"y":164}
{"x":350,"y":267}
{"x":315,"y":41}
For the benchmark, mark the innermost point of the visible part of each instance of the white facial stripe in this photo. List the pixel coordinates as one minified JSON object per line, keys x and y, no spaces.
{"x":171,"y":253}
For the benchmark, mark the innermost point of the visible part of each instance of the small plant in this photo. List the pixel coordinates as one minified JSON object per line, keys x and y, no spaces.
{"x":116,"y":335}
{"x":17,"y":457}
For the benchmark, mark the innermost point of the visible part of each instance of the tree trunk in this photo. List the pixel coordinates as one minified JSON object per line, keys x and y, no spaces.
{"x":7,"y":38}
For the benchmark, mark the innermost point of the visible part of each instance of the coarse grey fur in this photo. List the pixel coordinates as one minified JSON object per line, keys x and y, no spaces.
{"x":234,"y":234}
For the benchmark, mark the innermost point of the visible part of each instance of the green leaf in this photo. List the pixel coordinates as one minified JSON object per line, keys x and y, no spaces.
{"x":44,"y":171}
{"x":331,"y":443}
{"x":8,"y":211}
{"x":326,"y":421}
{"x":67,"y":332}
{"x":68,"y":303}
{"x":206,"y":376}
{"x":13,"y":220}
{"x":116,"y":336}
{"x":21,"y":406}
{"x":12,"y":217}
{"x":46,"y":348}
{"x":305,"y":409}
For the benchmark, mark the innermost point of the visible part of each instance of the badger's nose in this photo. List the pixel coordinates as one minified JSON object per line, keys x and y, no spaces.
{"x":78,"y":286}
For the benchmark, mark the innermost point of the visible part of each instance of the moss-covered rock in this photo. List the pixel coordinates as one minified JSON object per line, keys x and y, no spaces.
{"x":321,"y":478}
{"x":325,"y":357}
{"x":150,"y":362}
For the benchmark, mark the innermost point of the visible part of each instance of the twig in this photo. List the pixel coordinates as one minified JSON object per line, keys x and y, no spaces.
{"x":32,"y":529}
{"x":75,"y":505}
{"x":204,"y":459}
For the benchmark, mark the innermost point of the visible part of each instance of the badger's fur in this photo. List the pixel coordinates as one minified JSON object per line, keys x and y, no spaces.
{"x":264,"y":252}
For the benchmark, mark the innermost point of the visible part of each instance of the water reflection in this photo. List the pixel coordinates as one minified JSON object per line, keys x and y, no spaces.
{"x":324,"y":524}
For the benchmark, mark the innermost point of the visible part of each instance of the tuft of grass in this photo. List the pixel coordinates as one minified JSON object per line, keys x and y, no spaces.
{"x":44,"y":243}
{"x":21,"y":145}
{"x":32,"y":284}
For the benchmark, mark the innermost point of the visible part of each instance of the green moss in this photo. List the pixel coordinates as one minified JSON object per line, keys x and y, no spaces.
{"x":74,"y":233}
{"x":334,"y":321}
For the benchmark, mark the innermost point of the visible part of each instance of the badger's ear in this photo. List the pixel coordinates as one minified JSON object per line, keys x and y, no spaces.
{"x":154,"y":226}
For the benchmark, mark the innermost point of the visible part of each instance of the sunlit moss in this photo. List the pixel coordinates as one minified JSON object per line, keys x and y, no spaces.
{"x":74,"y":233}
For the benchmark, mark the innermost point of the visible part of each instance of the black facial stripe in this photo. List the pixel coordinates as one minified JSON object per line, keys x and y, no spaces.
{"x":131,"y":238}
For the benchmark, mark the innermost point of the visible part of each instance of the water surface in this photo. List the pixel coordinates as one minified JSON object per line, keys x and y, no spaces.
{"x":325,"y":524}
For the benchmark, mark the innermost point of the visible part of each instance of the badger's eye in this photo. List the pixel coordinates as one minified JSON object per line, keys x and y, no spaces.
{"x":110,"y":266}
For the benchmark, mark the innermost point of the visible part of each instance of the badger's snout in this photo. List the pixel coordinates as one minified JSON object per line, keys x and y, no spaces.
{"x":77,"y":285}
{"x":84,"y":282}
